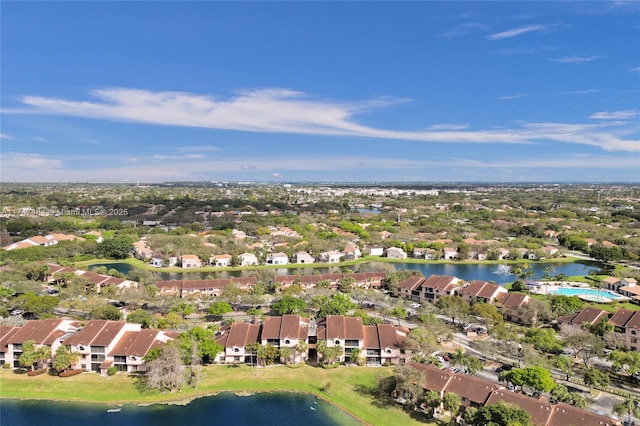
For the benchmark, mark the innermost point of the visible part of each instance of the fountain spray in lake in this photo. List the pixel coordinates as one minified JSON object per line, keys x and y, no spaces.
{"x":503,"y":269}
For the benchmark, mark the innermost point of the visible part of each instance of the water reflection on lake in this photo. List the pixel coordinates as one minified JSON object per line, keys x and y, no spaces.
{"x":281,"y":409}
{"x":487,"y":272}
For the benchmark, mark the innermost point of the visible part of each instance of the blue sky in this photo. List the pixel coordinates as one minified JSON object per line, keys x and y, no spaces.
{"x":320,"y":91}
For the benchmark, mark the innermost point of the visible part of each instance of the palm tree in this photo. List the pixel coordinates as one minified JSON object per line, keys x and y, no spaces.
{"x":301,"y":347}
{"x":285,"y":353}
{"x":628,"y":407}
{"x":458,"y":357}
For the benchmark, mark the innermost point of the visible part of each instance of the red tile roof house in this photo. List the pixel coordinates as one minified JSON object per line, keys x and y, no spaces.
{"x":374,"y":251}
{"x":510,"y":305}
{"x":56,"y":273}
{"x":47,"y":333}
{"x":362,"y":279}
{"x":221,"y":260}
{"x":395,"y":253}
{"x":421,"y":289}
{"x":430,"y":289}
{"x":102,"y":344}
{"x":449,"y":253}
{"x":286,"y":331}
{"x":236,"y":339}
{"x":302,"y":257}
{"x":384,"y":345}
{"x":410,"y":288}
{"x":208,"y":288}
{"x":346,"y":332}
{"x":351,"y":252}
{"x":39,"y":240}
{"x":190,"y":261}
{"x":248,"y":259}
{"x":589,"y":316}
{"x":477,"y":392}
{"x":277,"y":259}
{"x":612,"y":283}
{"x":332,"y":256}
{"x":160,"y":261}
{"x":627,"y":323}
{"x":481,"y":291}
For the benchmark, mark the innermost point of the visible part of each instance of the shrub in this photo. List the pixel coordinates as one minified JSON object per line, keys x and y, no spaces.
{"x":69,"y":373}
{"x":6,"y":366}
{"x":32,"y":373}
{"x":112,"y":370}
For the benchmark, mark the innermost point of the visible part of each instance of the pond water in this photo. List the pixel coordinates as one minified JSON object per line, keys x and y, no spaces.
{"x":498,"y":273}
{"x":281,"y":409}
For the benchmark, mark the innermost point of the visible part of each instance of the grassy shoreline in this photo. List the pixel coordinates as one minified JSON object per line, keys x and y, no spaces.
{"x":350,"y":389}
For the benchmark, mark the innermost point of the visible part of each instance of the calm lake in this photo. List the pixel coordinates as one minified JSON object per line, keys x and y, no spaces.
{"x":498,"y":273}
{"x":281,"y":409}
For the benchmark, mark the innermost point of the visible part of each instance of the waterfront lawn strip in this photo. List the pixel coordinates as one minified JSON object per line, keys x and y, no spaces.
{"x":350,"y":388}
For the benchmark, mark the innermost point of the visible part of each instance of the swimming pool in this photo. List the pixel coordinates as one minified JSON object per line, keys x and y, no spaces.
{"x":589,"y":292}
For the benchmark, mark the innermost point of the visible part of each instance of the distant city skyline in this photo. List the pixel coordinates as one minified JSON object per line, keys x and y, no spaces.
{"x":320,"y":92}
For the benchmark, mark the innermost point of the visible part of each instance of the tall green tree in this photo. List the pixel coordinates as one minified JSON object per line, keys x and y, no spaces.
{"x":453,"y":306}
{"x":118,"y":247}
{"x":452,"y":403}
{"x":289,"y":305}
{"x":64,"y":358}
{"x":501,"y":414}
{"x":206,"y":347}
{"x":33,"y":355}
{"x":218,"y":309}
{"x":629,"y":407}
{"x":409,"y":383}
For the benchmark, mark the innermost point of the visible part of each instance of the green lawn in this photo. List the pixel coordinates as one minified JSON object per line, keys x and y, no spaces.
{"x":350,"y":388}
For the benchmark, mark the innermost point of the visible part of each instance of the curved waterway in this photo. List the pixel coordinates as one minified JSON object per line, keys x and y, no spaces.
{"x":277,"y":409}
{"x":486,"y":272}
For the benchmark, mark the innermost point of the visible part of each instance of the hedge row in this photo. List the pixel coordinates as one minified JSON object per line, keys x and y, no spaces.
{"x":69,"y":373}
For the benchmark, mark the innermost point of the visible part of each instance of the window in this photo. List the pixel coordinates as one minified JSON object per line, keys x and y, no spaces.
{"x":236,"y":349}
{"x":120,"y":359}
{"x":632,"y":332}
{"x":337,"y":342}
{"x":286,"y":342}
{"x":95,"y":358}
{"x":97,"y":349}
{"x":352,"y":342}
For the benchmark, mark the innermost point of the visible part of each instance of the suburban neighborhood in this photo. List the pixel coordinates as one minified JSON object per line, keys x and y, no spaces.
{"x":281,"y":289}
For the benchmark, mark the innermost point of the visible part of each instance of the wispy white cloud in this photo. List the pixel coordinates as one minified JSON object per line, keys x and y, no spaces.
{"x":636,"y":69}
{"x":574,"y":59}
{"x":90,"y":141}
{"x":5,"y":136}
{"x":178,"y":157}
{"x":276,"y":175}
{"x":516,"y":32}
{"x":28,"y":162}
{"x":569,"y":92}
{"x":448,"y":127}
{"x":462,"y":29}
{"x":197,"y":148}
{"x":286,"y":111}
{"x":615,"y":115}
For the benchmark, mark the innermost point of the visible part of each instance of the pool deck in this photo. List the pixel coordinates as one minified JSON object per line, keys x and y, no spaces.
{"x":552,"y":287}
